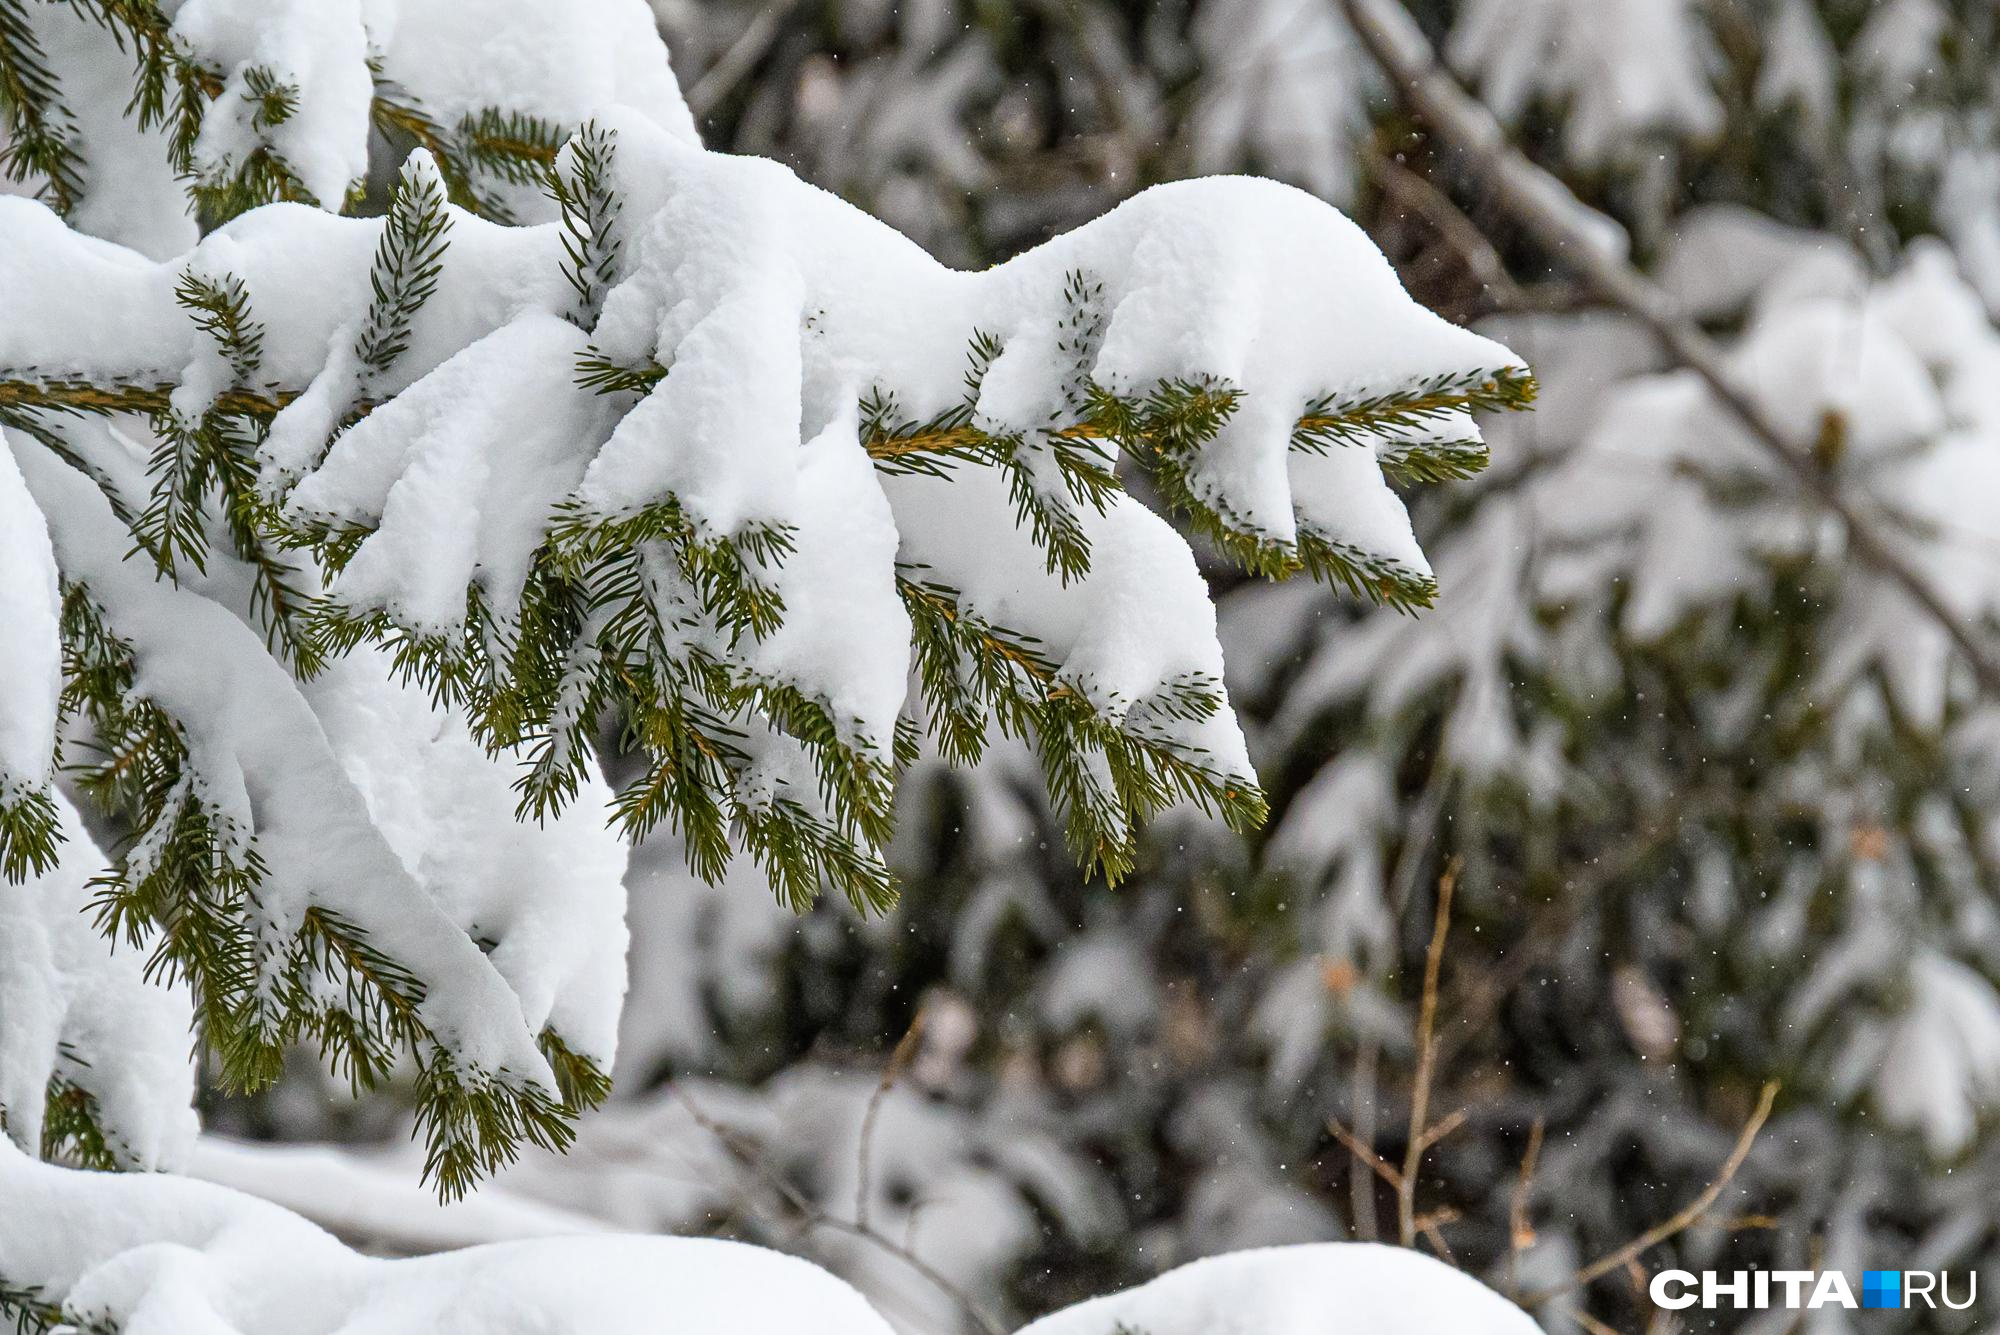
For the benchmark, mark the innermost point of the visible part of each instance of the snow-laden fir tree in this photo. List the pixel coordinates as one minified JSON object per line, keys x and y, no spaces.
{"x":397,"y":399}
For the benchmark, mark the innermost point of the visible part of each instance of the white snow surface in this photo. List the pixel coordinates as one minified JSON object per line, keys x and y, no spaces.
{"x":450,"y":61}
{"x":1329,"y":1288}
{"x":168,"y":1256}
{"x":30,"y":647}
{"x":72,"y":1007}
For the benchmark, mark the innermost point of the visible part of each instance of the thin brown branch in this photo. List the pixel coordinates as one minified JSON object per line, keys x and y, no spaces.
{"x":1420,"y":1093}
{"x":86,"y":397}
{"x":1440,"y":1130}
{"x":1365,"y":1155}
{"x":892,"y":1070}
{"x":1430,"y":1226}
{"x":1588,"y":241}
{"x":1520,"y":1229}
{"x":1404,"y":188}
{"x":811,"y":1216}
{"x":1690,"y":1214}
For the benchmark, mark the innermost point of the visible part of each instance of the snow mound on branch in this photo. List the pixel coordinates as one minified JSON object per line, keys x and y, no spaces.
{"x":1320,"y":1289}
{"x":172,"y":1255}
{"x":75,"y":1011}
{"x":560,"y":62}
{"x":30,"y":648}
{"x":365,"y":798}
{"x":168,"y":1255}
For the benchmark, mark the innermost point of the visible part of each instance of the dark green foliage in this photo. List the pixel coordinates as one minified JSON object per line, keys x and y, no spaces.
{"x":408,"y":262}
{"x":597,"y":372}
{"x":581,"y":185}
{"x":27,"y":1312}
{"x":73,"y":1128}
{"x":40,"y":134}
{"x":487,"y":149}
{"x":29,"y":834}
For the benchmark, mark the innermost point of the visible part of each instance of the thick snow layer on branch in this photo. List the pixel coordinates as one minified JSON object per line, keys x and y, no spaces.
{"x":316,"y":48}
{"x":30,"y":648}
{"x":287,"y":97}
{"x":77,"y":1012}
{"x":393,"y":517}
{"x":563,"y":63}
{"x":1300,"y":1291}
{"x":545,"y":901}
{"x":459,"y":474}
{"x":394,"y":867}
{"x":167,"y":1255}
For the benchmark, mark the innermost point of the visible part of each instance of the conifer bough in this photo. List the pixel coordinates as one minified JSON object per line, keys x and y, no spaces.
{"x":335,"y":543}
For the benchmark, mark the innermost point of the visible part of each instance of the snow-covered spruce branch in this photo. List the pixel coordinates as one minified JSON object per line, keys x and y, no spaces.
{"x":326,"y":521}
{"x":1590,"y":243}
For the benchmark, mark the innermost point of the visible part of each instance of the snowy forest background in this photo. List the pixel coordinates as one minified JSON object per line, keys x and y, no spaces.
{"x":1715,"y":795}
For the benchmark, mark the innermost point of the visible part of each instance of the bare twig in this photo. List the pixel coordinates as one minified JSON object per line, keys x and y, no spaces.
{"x":1690,"y":1214}
{"x":1439,"y":1130}
{"x":1587,"y":240}
{"x":1406,"y":188}
{"x":1520,"y":1231}
{"x":1430,"y":1226}
{"x":892,"y":1070}
{"x":1365,"y":1154}
{"x":811,"y":1216}
{"x":1420,"y":1094}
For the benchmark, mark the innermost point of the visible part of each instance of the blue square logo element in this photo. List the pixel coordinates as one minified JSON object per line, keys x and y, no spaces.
{"x":1881,"y":1288}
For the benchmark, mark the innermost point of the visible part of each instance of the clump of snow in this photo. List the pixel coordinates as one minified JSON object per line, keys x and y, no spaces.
{"x":1303,"y":1290}
{"x":73,"y":1009}
{"x":362,"y":798}
{"x":30,"y":646}
{"x":777,"y":311}
{"x":563,"y":63}
{"x":299,"y":80}
{"x":162,"y":1254}
{"x":318,"y":51}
